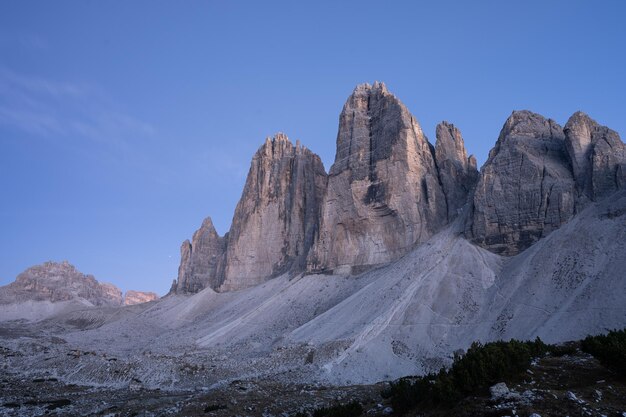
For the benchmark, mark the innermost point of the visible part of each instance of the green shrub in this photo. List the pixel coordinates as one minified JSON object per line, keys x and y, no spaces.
{"x":609,"y":349}
{"x":562,"y":350}
{"x":473,"y":373}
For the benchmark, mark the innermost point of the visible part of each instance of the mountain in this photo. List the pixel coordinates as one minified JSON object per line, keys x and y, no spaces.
{"x":384,"y":193}
{"x":539,"y":175}
{"x":52,"y":287}
{"x":55,"y":282}
{"x":273,"y":227}
{"x":390,"y":190}
{"x":400,"y":256}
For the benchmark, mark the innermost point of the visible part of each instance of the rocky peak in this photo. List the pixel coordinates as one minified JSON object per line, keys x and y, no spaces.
{"x":524,"y":124}
{"x":59,"y":281}
{"x":132,"y":297}
{"x":457,"y":171}
{"x":273,"y":228}
{"x":202,"y":260}
{"x":525,"y":189}
{"x":383,"y":192}
{"x":277,"y":217}
{"x":369,"y":125}
{"x":598,"y":157}
{"x":389,"y":190}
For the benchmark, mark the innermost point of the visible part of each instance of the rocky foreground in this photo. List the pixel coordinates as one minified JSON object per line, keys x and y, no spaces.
{"x":573,"y":384}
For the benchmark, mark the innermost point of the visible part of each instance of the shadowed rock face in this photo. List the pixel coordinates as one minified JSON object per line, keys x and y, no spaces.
{"x":277,"y":217}
{"x":539,"y":175}
{"x":54,"y":282}
{"x":384,"y":194}
{"x":598,"y":157}
{"x":457,"y":172}
{"x":526,"y":188}
{"x":202,"y":260}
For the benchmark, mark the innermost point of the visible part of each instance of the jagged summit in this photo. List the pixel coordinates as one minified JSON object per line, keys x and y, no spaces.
{"x":273,"y":227}
{"x":384,"y":194}
{"x":525,"y":188}
{"x":367,"y":88}
{"x":598,"y":157}
{"x":389,"y":189}
{"x":539,"y":175}
{"x":457,"y":171}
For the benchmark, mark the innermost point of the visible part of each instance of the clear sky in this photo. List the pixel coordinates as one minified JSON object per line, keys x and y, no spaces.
{"x":124,"y":123}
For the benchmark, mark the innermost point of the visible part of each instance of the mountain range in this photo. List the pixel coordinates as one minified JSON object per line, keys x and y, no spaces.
{"x":403,"y":253}
{"x":390,"y":190}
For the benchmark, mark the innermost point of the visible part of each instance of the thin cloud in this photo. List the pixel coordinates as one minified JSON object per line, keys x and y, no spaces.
{"x":66,"y":112}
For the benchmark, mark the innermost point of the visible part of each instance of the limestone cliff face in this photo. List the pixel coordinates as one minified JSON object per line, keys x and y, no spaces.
{"x":273,"y":228}
{"x":526,"y":188}
{"x":539,"y":175}
{"x":202,"y":260}
{"x":389,"y":190}
{"x":457,"y":171}
{"x":277,"y":217}
{"x":598,"y":157}
{"x":384,"y":194}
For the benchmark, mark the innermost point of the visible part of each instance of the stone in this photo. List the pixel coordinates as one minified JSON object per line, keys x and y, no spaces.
{"x":526,"y":188}
{"x":457,"y":171}
{"x":598,"y":157}
{"x":499,"y":390}
{"x":132,"y":297}
{"x":383,"y":195}
{"x":202,"y":260}
{"x":56,"y":282}
{"x":277,"y":217}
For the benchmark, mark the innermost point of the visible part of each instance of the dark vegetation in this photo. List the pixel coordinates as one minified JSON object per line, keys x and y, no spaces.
{"x":473,"y":373}
{"x":485,"y":365}
{"x":564,"y":349}
{"x":609,"y":349}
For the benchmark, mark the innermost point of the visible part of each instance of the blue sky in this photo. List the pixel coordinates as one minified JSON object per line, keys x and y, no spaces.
{"x":124,"y":123}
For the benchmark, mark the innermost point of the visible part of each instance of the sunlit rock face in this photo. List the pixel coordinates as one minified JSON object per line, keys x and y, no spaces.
{"x":132,"y":297}
{"x":384,"y":194}
{"x":274,"y":225}
{"x":277,"y":217}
